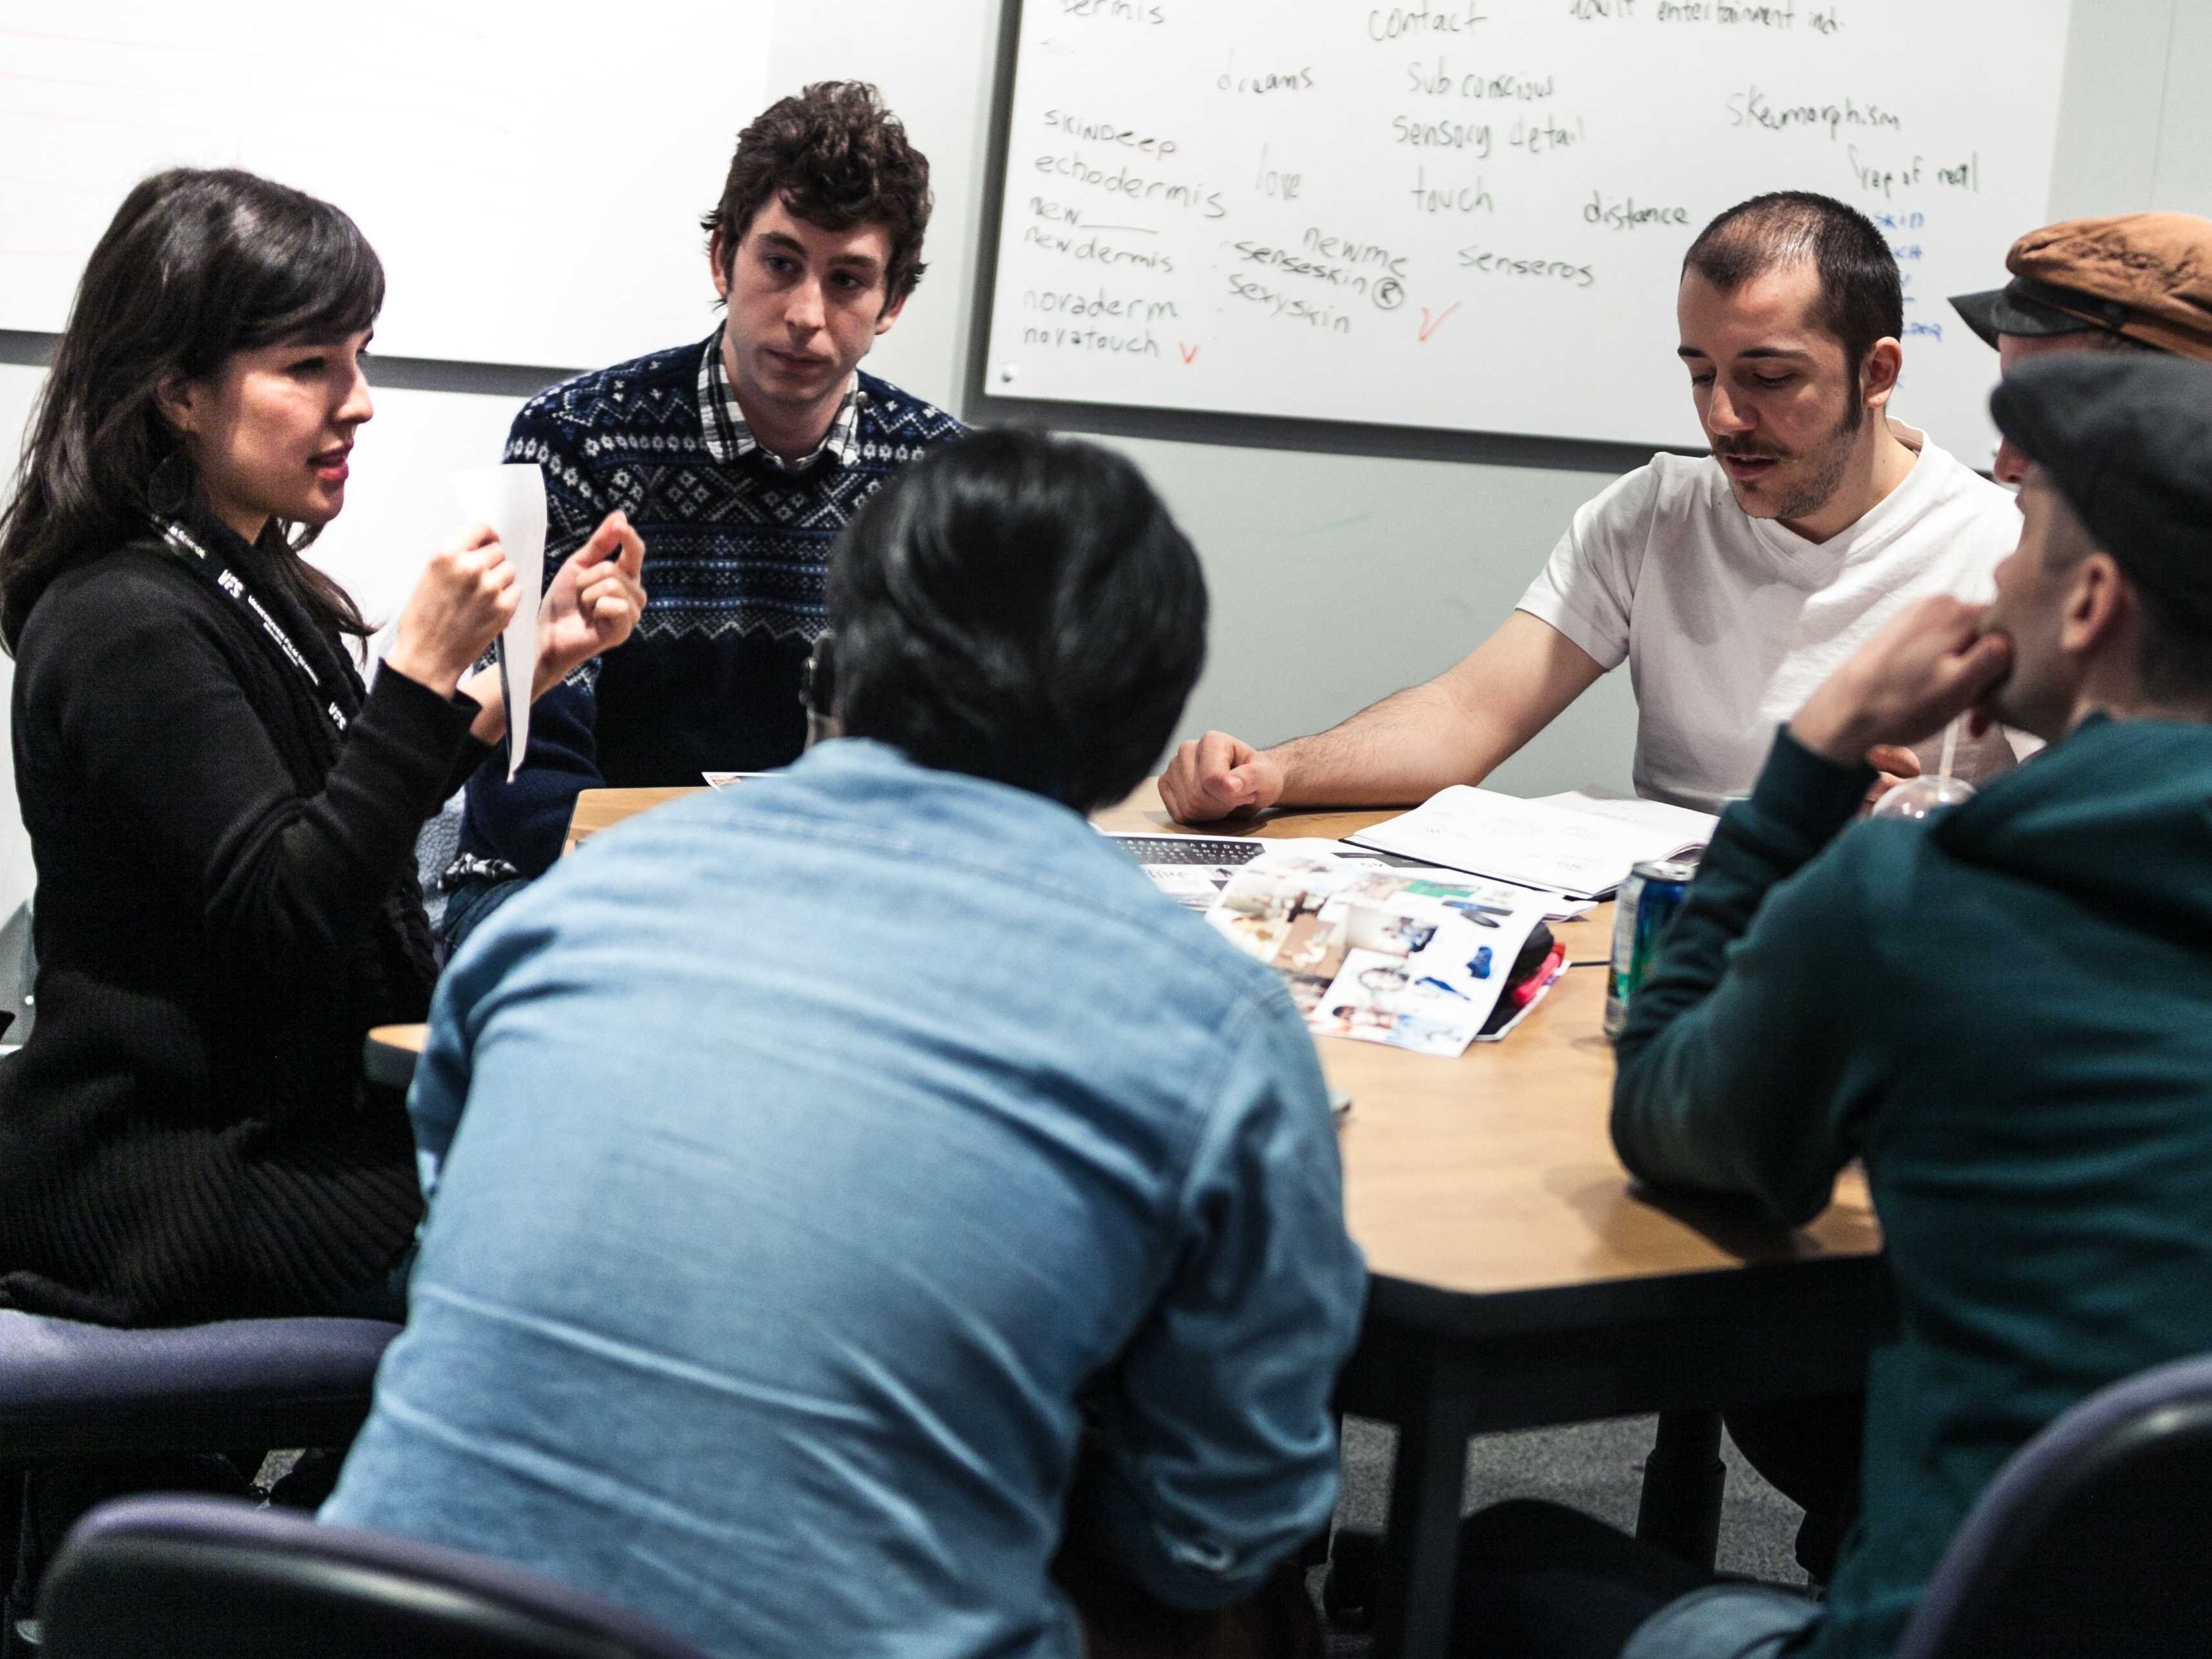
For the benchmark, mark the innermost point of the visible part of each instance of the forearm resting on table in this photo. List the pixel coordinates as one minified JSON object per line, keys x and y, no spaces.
{"x":1456,"y":728}
{"x":1730,"y":1064}
{"x":1400,"y":750}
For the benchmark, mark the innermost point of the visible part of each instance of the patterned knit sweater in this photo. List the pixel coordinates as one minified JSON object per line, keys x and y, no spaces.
{"x":736,"y":554}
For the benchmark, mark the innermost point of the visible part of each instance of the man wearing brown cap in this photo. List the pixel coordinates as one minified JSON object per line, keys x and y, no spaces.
{"x":2134,"y":282}
{"x":2006,"y":1012}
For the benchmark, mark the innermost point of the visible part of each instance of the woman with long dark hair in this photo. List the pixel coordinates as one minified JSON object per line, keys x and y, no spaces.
{"x":223,"y":816}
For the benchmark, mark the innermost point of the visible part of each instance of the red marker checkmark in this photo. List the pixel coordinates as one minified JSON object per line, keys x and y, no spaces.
{"x":1429,"y":327}
{"x":1189,"y":352}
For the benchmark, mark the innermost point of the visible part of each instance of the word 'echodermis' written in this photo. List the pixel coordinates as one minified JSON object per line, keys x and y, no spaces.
{"x":1078,"y":168}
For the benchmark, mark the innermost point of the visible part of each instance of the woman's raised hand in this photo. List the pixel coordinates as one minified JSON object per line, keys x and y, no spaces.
{"x":467,"y":593}
{"x":594,"y":601}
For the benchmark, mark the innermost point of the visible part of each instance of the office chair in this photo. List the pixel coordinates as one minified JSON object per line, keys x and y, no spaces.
{"x":185,"y":1577}
{"x":69,"y":1389}
{"x":2094,"y":1539}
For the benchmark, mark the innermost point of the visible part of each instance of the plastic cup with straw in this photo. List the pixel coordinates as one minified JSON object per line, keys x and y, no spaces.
{"x":1915,"y":797}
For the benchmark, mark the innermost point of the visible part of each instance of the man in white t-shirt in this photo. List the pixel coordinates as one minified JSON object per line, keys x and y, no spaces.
{"x":1731,"y":583}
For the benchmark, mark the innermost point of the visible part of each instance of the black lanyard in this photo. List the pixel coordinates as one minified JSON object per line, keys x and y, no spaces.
{"x":228,"y":579}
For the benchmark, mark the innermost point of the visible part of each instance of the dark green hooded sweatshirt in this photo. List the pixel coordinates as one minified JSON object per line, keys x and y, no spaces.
{"x":2006,"y":1012}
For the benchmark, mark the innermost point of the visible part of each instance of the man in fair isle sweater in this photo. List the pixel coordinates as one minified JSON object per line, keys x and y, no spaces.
{"x":738,"y":460}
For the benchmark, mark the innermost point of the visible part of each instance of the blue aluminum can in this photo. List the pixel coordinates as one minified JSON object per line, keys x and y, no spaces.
{"x":1645,"y":904}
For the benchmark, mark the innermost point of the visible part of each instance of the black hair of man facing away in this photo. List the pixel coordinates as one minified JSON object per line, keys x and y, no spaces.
{"x":959,"y":645}
{"x":2006,"y":1012}
{"x":947,"y":1256}
{"x":1814,"y":517}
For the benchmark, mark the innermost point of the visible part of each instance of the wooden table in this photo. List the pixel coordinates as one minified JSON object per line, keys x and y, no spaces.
{"x":603,"y":809}
{"x":389,"y":1055}
{"x":1519,"y":1281}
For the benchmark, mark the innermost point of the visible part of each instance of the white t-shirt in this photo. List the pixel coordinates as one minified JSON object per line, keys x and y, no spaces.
{"x":1727,"y":623}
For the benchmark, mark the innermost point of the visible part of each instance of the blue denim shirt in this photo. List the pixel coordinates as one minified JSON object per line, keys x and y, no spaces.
{"x":837,"y":1149}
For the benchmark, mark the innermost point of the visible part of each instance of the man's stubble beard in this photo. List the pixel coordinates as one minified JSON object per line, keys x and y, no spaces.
{"x":1829,"y":461}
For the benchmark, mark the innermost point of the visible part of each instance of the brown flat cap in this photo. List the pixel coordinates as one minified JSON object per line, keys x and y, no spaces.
{"x":2147,"y":275}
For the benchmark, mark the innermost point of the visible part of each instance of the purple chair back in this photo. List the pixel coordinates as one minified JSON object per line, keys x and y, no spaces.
{"x":69,"y":1389}
{"x":168,"y":1577}
{"x":2095,"y":1538}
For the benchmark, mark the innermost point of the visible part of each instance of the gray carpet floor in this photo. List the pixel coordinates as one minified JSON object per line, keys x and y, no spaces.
{"x":1597,"y":1467}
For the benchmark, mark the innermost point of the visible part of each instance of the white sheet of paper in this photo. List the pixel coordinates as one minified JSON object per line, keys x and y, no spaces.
{"x":511,"y":499}
{"x":1582,"y":852}
{"x":1686,"y":827}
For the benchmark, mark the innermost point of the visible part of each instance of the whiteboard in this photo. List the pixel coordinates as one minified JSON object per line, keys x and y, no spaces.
{"x":532,"y":173}
{"x":1470,"y":215}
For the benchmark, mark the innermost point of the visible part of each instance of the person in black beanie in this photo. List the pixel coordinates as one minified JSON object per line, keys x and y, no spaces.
{"x":2135,"y":283}
{"x":2006,"y":1010}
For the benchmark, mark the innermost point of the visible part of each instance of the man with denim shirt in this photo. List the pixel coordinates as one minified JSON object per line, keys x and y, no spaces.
{"x":819,"y":1164}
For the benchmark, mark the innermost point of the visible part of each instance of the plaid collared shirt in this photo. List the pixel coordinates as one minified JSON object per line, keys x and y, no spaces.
{"x":728,"y":436}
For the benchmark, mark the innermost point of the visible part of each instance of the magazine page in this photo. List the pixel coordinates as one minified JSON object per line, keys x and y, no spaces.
{"x":1415,"y":959}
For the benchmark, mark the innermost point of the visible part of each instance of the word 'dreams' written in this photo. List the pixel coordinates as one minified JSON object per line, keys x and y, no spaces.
{"x":1259,"y":84}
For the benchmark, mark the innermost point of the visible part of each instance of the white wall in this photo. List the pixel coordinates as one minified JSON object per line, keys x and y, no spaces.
{"x":18,"y":387}
{"x":1336,"y":579}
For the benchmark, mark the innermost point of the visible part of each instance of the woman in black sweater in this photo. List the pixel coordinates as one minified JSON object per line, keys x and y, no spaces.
{"x":223,"y":817}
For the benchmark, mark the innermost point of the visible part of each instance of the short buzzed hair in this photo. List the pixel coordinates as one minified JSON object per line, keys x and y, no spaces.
{"x":2173,"y":651}
{"x":1861,"y":297}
